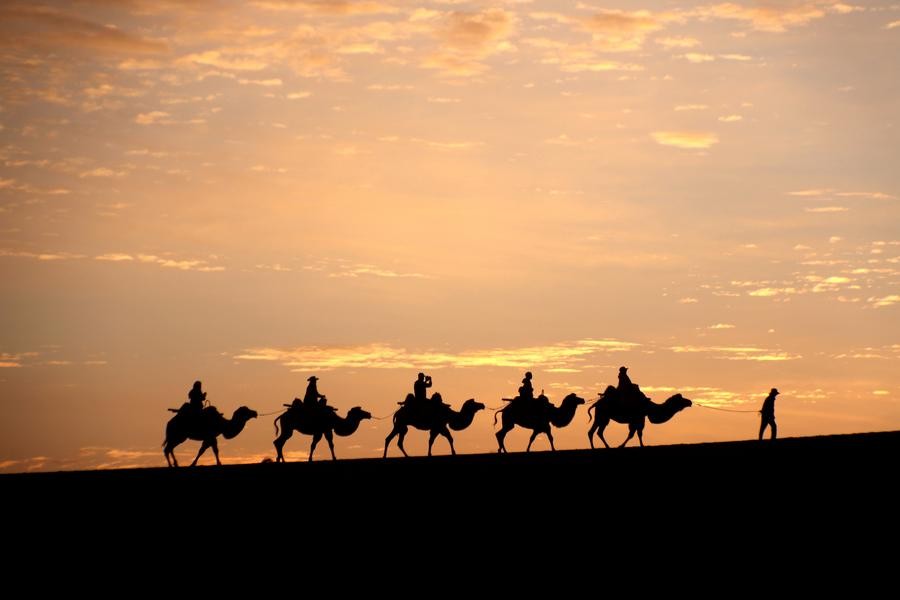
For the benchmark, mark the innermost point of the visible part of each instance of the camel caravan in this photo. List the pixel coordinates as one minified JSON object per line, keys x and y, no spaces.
{"x":312,"y":416}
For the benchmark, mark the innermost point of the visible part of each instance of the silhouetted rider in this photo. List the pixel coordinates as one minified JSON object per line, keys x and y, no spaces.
{"x":422,"y":383}
{"x":526,"y":390}
{"x":197,"y":397}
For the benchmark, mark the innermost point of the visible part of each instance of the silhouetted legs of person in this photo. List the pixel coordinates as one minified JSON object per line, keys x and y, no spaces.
{"x":770,"y":421}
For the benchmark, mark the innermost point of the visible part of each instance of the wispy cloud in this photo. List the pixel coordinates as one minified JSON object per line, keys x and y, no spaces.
{"x":885,"y":301}
{"x":689,"y":140}
{"x":748,"y":353}
{"x":572,"y":356}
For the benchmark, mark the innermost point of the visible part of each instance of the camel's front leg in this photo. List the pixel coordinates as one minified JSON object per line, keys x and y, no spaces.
{"x":446,"y":433}
{"x":315,"y":442}
{"x":203,"y":448}
{"x":640,"y":433}
{"x":591,"y":431}
{"x":215,"y":447}
{"x":329,"y":437}
{"x":550,"y":437}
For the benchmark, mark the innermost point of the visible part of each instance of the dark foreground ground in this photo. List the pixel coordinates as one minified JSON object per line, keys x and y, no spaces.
{"x":829,"y":494}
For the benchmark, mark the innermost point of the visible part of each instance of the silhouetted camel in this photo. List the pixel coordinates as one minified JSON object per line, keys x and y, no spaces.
{"x":317,"y":421}
{"x":633,"y":412}
{"x":433,"y":416}
{"x":205,"y":427}
{"x":537,"y":415}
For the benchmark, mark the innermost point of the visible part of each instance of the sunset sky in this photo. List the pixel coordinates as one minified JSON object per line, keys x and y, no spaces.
{"x":249,"y":193}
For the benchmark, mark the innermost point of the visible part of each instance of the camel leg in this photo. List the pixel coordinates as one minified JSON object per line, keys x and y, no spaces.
{"x":640,"y":433}
{"x":315,"y":442}
{"x":591,"y":431}
{"x":446,"y":433}
{"x":534,"y":434}
{"x":286,"y":434}
{"x":203,"y":448}
{"x":550,"y":437}
{"x":501,"y":435}
{"x":388,"y":439}
{"x":601,"y":427}
{"x":631,"y":430}
{"x":432,"y":435}
{"x":329,"y":437}
{"x":170,"y":451}
{"x":400,"y":440}
{"x":215,"y":447}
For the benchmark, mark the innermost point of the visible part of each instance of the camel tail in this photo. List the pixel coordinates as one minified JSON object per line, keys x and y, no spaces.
{"x":278,"y":418}
{"x":590,"y":409}
{"x":497,"y":413}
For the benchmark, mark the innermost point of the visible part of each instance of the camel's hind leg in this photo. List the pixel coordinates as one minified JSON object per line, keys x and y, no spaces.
{"x":501,"y":435}
{"x":444,"y":432}
{"x":601,"y":427}
{"x":402,"y":436}
{"x":534,"y":434}
{"x":631,"y":430}
{"x":316,"y":438}
{"x":169,"y":451}
{"x":397,"y":430}
{"x":286,"y":434}
{"x":591,"y":431}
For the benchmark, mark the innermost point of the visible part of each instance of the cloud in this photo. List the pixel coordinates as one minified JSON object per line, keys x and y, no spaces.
{"x":274,"y":82}
{"x":721,"y":326}
{"x":467,"y":39}
{"x":731,"y":118}
{"x":339,"y":268}
{"x":811,"y":193}
{"x":748,"y":353}
{"x":226,"y":59}
{"x":16,"y":360}
{"x":690,"y":140}
{"x":22,"y":25}
{"x":101,"y":172}
{"x":326,"y":7}
{"x":150,"y":118}
{"x":683,"y":107}
{"x":114,"y":257}
{"x":44,"y":256}
{"x":827,"y":209}
{"x":568,"y":355}
{"x":892,"y":25}
{"x":870,"y":195}
{"x":677,"y":42}
{"x":884,"y":301}
{"x":697,"y":58}
{"x":773,"y":18}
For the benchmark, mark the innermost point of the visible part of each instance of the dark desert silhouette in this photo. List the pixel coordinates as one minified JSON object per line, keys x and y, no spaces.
{"x":318,"y":420}
{"x":205,"y":427}
{"x":538,"y":415}
{"x":633,"y":411}
{"x":436,"y":417}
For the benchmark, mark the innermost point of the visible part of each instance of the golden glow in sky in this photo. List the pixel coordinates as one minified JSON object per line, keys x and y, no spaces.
{"x":249,"y":193}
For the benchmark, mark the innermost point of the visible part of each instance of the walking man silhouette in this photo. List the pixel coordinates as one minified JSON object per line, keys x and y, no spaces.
{"x":768,"y":415}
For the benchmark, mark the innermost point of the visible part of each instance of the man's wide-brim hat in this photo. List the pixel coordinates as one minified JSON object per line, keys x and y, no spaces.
{"x":623,"y":368}
{"x":774,"y":392}
{"x":313,"y":378}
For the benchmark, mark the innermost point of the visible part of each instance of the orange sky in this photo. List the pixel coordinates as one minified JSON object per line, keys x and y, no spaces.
{"x":249,"y":193}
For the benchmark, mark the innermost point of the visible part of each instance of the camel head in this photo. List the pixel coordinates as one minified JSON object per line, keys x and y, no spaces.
{"x":679,"y":402}
{"x":574,"y":398}
{"x":358,"y":413}
{"x":473,"y":405}
{"x":244,"y":414}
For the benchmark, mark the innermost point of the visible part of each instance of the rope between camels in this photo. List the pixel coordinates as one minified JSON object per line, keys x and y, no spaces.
{"x":724,"y":409}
